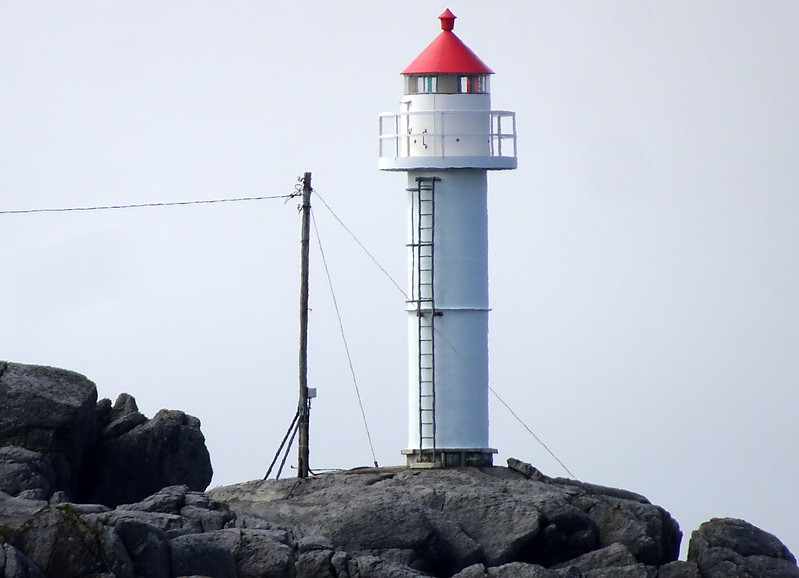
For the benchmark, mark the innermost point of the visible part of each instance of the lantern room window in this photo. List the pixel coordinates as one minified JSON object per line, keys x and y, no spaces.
{"x":477,"y":83}
{"x":446,"y":84}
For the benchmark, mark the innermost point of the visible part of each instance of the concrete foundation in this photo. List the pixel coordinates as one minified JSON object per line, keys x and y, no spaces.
{"x":449,"y":458}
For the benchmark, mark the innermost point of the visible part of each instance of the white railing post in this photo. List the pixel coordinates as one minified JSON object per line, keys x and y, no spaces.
{"x":499,"y":132}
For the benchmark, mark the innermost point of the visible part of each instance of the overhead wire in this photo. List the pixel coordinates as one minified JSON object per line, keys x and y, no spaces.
{"x":335,"y":303}
{"x":438,"y":332}
{"x":532,"y":433}
{"x":292,"y":430}
{"x":142,"y":205}
{"x":344,"y":337}
{"x":362,"y":246}
{"x":507,"y":406}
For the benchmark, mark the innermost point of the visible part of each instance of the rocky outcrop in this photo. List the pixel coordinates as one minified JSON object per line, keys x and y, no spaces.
{"x":730,"y":548}
{"x":55,"y":438}
{"x":166,"y":535}
{"x":285,"y":529}
{"x":443,"y":522}
{"x":50,"y":413}
{"x":89,"y":490}
{"x":135,"y":457}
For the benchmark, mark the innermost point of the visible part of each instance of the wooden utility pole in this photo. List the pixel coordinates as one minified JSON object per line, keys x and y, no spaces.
{"x":304,"y":404}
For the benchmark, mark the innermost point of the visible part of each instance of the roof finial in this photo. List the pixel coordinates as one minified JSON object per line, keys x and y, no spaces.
{"x":447,"y":20}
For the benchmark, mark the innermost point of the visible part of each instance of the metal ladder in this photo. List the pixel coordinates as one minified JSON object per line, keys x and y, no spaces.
{"x":423,"y":297}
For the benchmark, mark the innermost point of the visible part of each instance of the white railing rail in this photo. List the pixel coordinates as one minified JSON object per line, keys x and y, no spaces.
{"x":427,"y":133}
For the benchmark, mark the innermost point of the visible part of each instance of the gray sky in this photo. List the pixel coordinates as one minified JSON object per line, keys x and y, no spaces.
{"x":643,"y":258}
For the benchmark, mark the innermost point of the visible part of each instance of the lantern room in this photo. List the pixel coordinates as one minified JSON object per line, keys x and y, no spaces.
{"x":447,"y":84}
{"x":445,"y":119}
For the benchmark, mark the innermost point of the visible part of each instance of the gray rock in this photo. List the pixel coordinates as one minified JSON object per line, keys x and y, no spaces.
{"x":124,"y":406}
{"x":205,"y":514}
{"x":310,"y":543}
{"x":727,"y":547}
{"x":528,"y":470}
{"x":613,"y":556}
{"x":567,"y":531}
{"x":739,"y":536}
{"x":16,"y":511}
{"x":474,"y":571}
{"x":14,"y":564}
{"x":503,"y":525}
{"x":533,"y":473}
{"x":64,"y":544}
{"x":115,"y":554}
{"x":172,"y":525}
{"x":521,"y":570}
{"x":442,"y":521}
{"x":374,"y":567}
{"x":122,"y":425}
{"x":128,"y":465}
{"x":279,"y":533}
{"x":341,"y":564}
{"x":203,"y":555}
{"x":770,"y":567}
{"x":209,"y":519}
{"x":84,"y":509}
{"x":144,"y":540}
{"x":168,"y":500}
{"x":51,"y":412}
{"x":649,"y":532}
{"x":632,"y":571}
{"x":23,"y":470}
{"x":315,"y":564}
{"x":387,"y":519}
{"x":461,"y":549}
{"x":679,"y":569}
{"x":376,"y":522}
{"x":257,"y":553}
{"x":58,"y":497}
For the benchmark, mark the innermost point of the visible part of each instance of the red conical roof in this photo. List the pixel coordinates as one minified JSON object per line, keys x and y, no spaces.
{"x":447,"y":54}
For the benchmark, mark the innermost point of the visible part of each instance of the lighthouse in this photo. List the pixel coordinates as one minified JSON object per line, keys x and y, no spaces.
{"x":446,"y":138}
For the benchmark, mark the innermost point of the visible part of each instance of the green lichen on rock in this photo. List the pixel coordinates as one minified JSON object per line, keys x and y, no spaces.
{"x":60,"y":540}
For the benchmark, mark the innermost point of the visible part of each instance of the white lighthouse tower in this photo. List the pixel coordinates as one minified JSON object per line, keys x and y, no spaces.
{"x":446,"y":137}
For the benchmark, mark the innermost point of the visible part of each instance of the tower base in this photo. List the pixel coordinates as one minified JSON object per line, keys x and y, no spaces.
{"x":449,"y":457}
